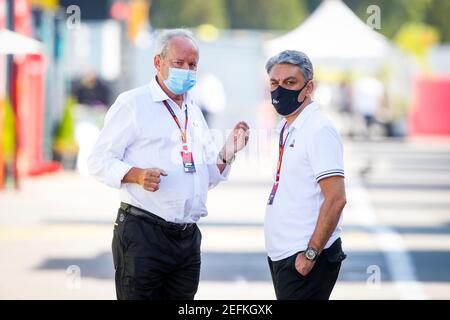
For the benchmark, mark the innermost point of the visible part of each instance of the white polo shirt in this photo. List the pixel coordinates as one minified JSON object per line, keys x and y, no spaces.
{"x":313,"y":151}
{"x":140,"y":132}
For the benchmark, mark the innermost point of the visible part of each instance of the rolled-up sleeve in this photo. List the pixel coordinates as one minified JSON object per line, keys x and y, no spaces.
{"x":105,"y":163}
{"x":325,"y":153}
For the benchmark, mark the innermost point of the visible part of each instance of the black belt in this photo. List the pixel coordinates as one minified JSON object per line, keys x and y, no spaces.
{"x":148,"y":216}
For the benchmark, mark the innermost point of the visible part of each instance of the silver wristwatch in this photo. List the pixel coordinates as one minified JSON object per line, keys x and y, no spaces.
{"x":311,"y":254}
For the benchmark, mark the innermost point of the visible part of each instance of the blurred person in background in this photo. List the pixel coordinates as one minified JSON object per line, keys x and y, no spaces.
{"x":93,"y":97}
{"x":156,"y":148}
{"x":342,"y":99}
{"x":303,"y":213}
{"x":367,"y":100}
{"x":209,"y":95}
{"x":92,"y":91}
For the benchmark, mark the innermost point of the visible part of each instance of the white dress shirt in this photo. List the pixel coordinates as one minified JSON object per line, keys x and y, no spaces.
{"x":313,"y":151}
{"x":140,"y":132}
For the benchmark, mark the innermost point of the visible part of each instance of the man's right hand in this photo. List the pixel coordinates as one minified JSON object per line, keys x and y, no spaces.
{"x":149,"y":179}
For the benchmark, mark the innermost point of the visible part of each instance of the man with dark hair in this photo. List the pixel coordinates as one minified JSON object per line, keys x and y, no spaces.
{"x":302,"y":225}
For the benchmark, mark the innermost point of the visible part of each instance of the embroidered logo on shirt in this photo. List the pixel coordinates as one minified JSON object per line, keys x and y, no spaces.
{"x":292,"y":144}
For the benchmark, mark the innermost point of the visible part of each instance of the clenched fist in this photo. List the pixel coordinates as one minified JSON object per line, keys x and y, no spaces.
{"x":149,"y":179}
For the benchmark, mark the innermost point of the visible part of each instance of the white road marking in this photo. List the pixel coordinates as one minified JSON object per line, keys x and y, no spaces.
{"x":398,"y":259}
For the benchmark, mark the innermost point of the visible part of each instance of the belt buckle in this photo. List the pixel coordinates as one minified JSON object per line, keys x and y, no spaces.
{"x":185,"y":226}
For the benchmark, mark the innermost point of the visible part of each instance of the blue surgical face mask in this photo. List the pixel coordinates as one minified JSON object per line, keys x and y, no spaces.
{"x":180,"y":80}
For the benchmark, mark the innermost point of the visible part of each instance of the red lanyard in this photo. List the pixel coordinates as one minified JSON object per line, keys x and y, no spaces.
{"x":280,"y":152}
{"x":175,"y":118}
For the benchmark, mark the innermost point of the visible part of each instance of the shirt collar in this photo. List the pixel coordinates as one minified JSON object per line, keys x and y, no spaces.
{"x":157,"y":92}
{"x":159,"y":95}
{"x":300,"y":119}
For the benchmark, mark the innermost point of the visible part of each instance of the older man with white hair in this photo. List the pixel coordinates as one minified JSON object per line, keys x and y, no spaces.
{"x":302,"y":224}
{"x":156,"y":148}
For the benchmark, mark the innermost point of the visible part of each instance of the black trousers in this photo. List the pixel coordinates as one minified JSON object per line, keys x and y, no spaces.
{"x":153,"y":262}
{"x":289,"y":284}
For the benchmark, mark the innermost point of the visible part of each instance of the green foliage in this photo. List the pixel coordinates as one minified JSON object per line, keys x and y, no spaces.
{"x":189,"y":13}
{"x":396,"y":13}
{"x":288,"y":14}
{"x":8,"y":134}
{"x":64,"y":141}
{"x":235,"y":14}
{"x":417,"y":38}
{"x":264,"y":14}
{"x":438,"y":16}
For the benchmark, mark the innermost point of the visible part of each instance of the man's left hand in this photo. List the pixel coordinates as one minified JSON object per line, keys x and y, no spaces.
{"x":303,"y":265}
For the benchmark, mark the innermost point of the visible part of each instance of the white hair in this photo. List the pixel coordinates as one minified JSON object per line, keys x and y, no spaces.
{"x":164,"y":38}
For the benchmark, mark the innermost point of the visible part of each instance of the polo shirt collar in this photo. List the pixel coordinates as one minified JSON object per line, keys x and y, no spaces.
{"x":298,"y":122}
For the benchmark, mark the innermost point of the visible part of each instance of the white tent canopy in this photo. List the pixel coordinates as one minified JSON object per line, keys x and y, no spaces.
{"x":333,"y":34}
{"x":16,"y":43}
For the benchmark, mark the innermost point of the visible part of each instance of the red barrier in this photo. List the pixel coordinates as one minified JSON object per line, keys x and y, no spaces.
{"x":430,"y":110}
{"x":29,"y":100}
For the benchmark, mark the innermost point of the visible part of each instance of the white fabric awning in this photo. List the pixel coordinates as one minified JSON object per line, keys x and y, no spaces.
{"x":16,"y":43}
{"x":333,"y":33}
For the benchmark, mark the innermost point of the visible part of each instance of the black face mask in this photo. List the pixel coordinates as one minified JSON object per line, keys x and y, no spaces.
{"x":286,"y":101}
